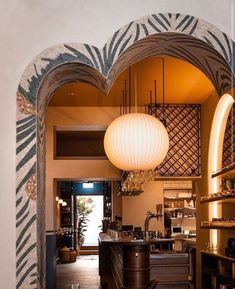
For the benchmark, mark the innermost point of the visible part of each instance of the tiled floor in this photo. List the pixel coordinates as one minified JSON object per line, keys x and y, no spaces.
{"x":84,"y":271}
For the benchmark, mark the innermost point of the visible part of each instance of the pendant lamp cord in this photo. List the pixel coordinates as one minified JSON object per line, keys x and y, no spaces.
{"x":135,"y":92}
{"x":129,"y":89}
{"x":155,"y":97}
{"x":163,"y":91}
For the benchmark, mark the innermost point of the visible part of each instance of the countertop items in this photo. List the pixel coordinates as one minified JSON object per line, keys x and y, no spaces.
{"x":105,"y":238}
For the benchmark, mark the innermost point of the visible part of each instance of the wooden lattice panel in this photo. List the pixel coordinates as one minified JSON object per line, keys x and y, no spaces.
{"x":183,"y":126}
{"x":229,"y":140}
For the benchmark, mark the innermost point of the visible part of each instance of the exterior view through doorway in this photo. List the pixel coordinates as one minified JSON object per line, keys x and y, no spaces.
{"x":94,"y":206}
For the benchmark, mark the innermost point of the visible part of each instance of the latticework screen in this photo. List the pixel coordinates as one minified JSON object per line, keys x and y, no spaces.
{"x":229,"y":140}
{"x":183,"y":127}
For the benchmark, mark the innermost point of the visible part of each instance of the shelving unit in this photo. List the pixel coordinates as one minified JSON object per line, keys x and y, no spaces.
{"x":226,"y":197}
{"x":218,"y":270}
{"x":181,"y":211}
{"x":67,"y":216}
{"x":107,"y":201}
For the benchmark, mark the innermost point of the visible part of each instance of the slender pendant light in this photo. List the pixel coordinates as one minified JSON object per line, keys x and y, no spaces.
{"x":136,"y":141}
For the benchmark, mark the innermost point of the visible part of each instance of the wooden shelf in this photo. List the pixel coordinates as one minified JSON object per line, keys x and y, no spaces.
{"x":219,"y":254}
{"x":179,"y":198}
{"x":218,"y":227}
{"x":225,"y":172}
{"x":223,"y":199}
{"x":179,"y":209}
{"x":177,"y":189}
{"x":188,"y":218}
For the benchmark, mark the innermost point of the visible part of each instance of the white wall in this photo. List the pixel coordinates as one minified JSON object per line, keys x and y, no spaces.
{"x":28,"y":27}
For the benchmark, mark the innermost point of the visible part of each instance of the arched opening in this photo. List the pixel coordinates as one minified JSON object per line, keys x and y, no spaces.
{"x":215,"y":156}
{"x":73,"y":104}
{"x":70,"y":64}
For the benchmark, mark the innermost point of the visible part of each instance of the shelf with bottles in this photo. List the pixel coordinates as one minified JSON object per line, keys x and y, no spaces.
{"x":182,"y":213}
{"x":107,"y":206}
{"x":219,"y":223}
{"x":65,"y":225}
{"x":174,"y":204}
{"x":67,"y":209}
{"x":225,"y":197}
{"x":184,"y":217}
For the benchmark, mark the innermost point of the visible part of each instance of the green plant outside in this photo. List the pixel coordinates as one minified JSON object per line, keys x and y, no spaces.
{"x":84,"y":208}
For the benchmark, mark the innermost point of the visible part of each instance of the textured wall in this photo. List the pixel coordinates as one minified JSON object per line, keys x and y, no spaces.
{"x":27,"y":28}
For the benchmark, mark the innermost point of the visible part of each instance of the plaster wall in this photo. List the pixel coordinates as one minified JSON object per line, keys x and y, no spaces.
{"x":134,"y":208}
{"x":74,"y":169}
{"x":27,"y":28}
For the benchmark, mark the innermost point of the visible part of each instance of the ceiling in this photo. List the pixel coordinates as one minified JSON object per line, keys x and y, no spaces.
{"x":184,"y":83}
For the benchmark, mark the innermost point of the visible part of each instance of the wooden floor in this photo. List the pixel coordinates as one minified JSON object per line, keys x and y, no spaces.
{"x":84,"y":272}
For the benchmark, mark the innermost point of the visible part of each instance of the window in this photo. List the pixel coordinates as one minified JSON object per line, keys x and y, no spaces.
{"x":85,"y":144}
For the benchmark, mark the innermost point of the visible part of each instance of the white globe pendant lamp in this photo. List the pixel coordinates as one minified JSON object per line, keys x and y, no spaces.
{"x":136,"y":142}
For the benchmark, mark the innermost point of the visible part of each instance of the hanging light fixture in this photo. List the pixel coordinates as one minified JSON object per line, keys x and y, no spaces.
{"x":136,"y":141}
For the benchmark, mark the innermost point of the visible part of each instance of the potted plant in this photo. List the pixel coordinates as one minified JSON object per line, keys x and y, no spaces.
{"x":84,"y":208}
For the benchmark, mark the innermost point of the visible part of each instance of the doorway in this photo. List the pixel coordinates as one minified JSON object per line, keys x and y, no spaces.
{"x":80,"y":208}
{"x":95,"y":215}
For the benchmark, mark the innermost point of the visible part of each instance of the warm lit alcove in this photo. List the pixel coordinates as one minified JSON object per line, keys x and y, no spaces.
{"x":82,"y":107}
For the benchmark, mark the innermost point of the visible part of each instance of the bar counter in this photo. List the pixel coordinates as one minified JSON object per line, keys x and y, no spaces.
{"x":128,"y":264}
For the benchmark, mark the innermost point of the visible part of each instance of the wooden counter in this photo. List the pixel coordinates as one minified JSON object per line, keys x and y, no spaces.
{"x":127,"y":264}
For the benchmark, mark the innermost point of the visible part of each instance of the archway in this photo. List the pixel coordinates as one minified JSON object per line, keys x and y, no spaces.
{"x":181,"y":36}
{"x":216,"y":149}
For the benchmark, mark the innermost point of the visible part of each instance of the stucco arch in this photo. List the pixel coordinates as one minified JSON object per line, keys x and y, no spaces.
{"x":178,"y":35}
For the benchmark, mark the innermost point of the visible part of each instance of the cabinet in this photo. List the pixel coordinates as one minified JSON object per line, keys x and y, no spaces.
{"x":218,"y":271}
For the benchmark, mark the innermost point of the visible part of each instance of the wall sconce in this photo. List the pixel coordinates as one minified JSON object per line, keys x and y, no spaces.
{"x":60,"y":201}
